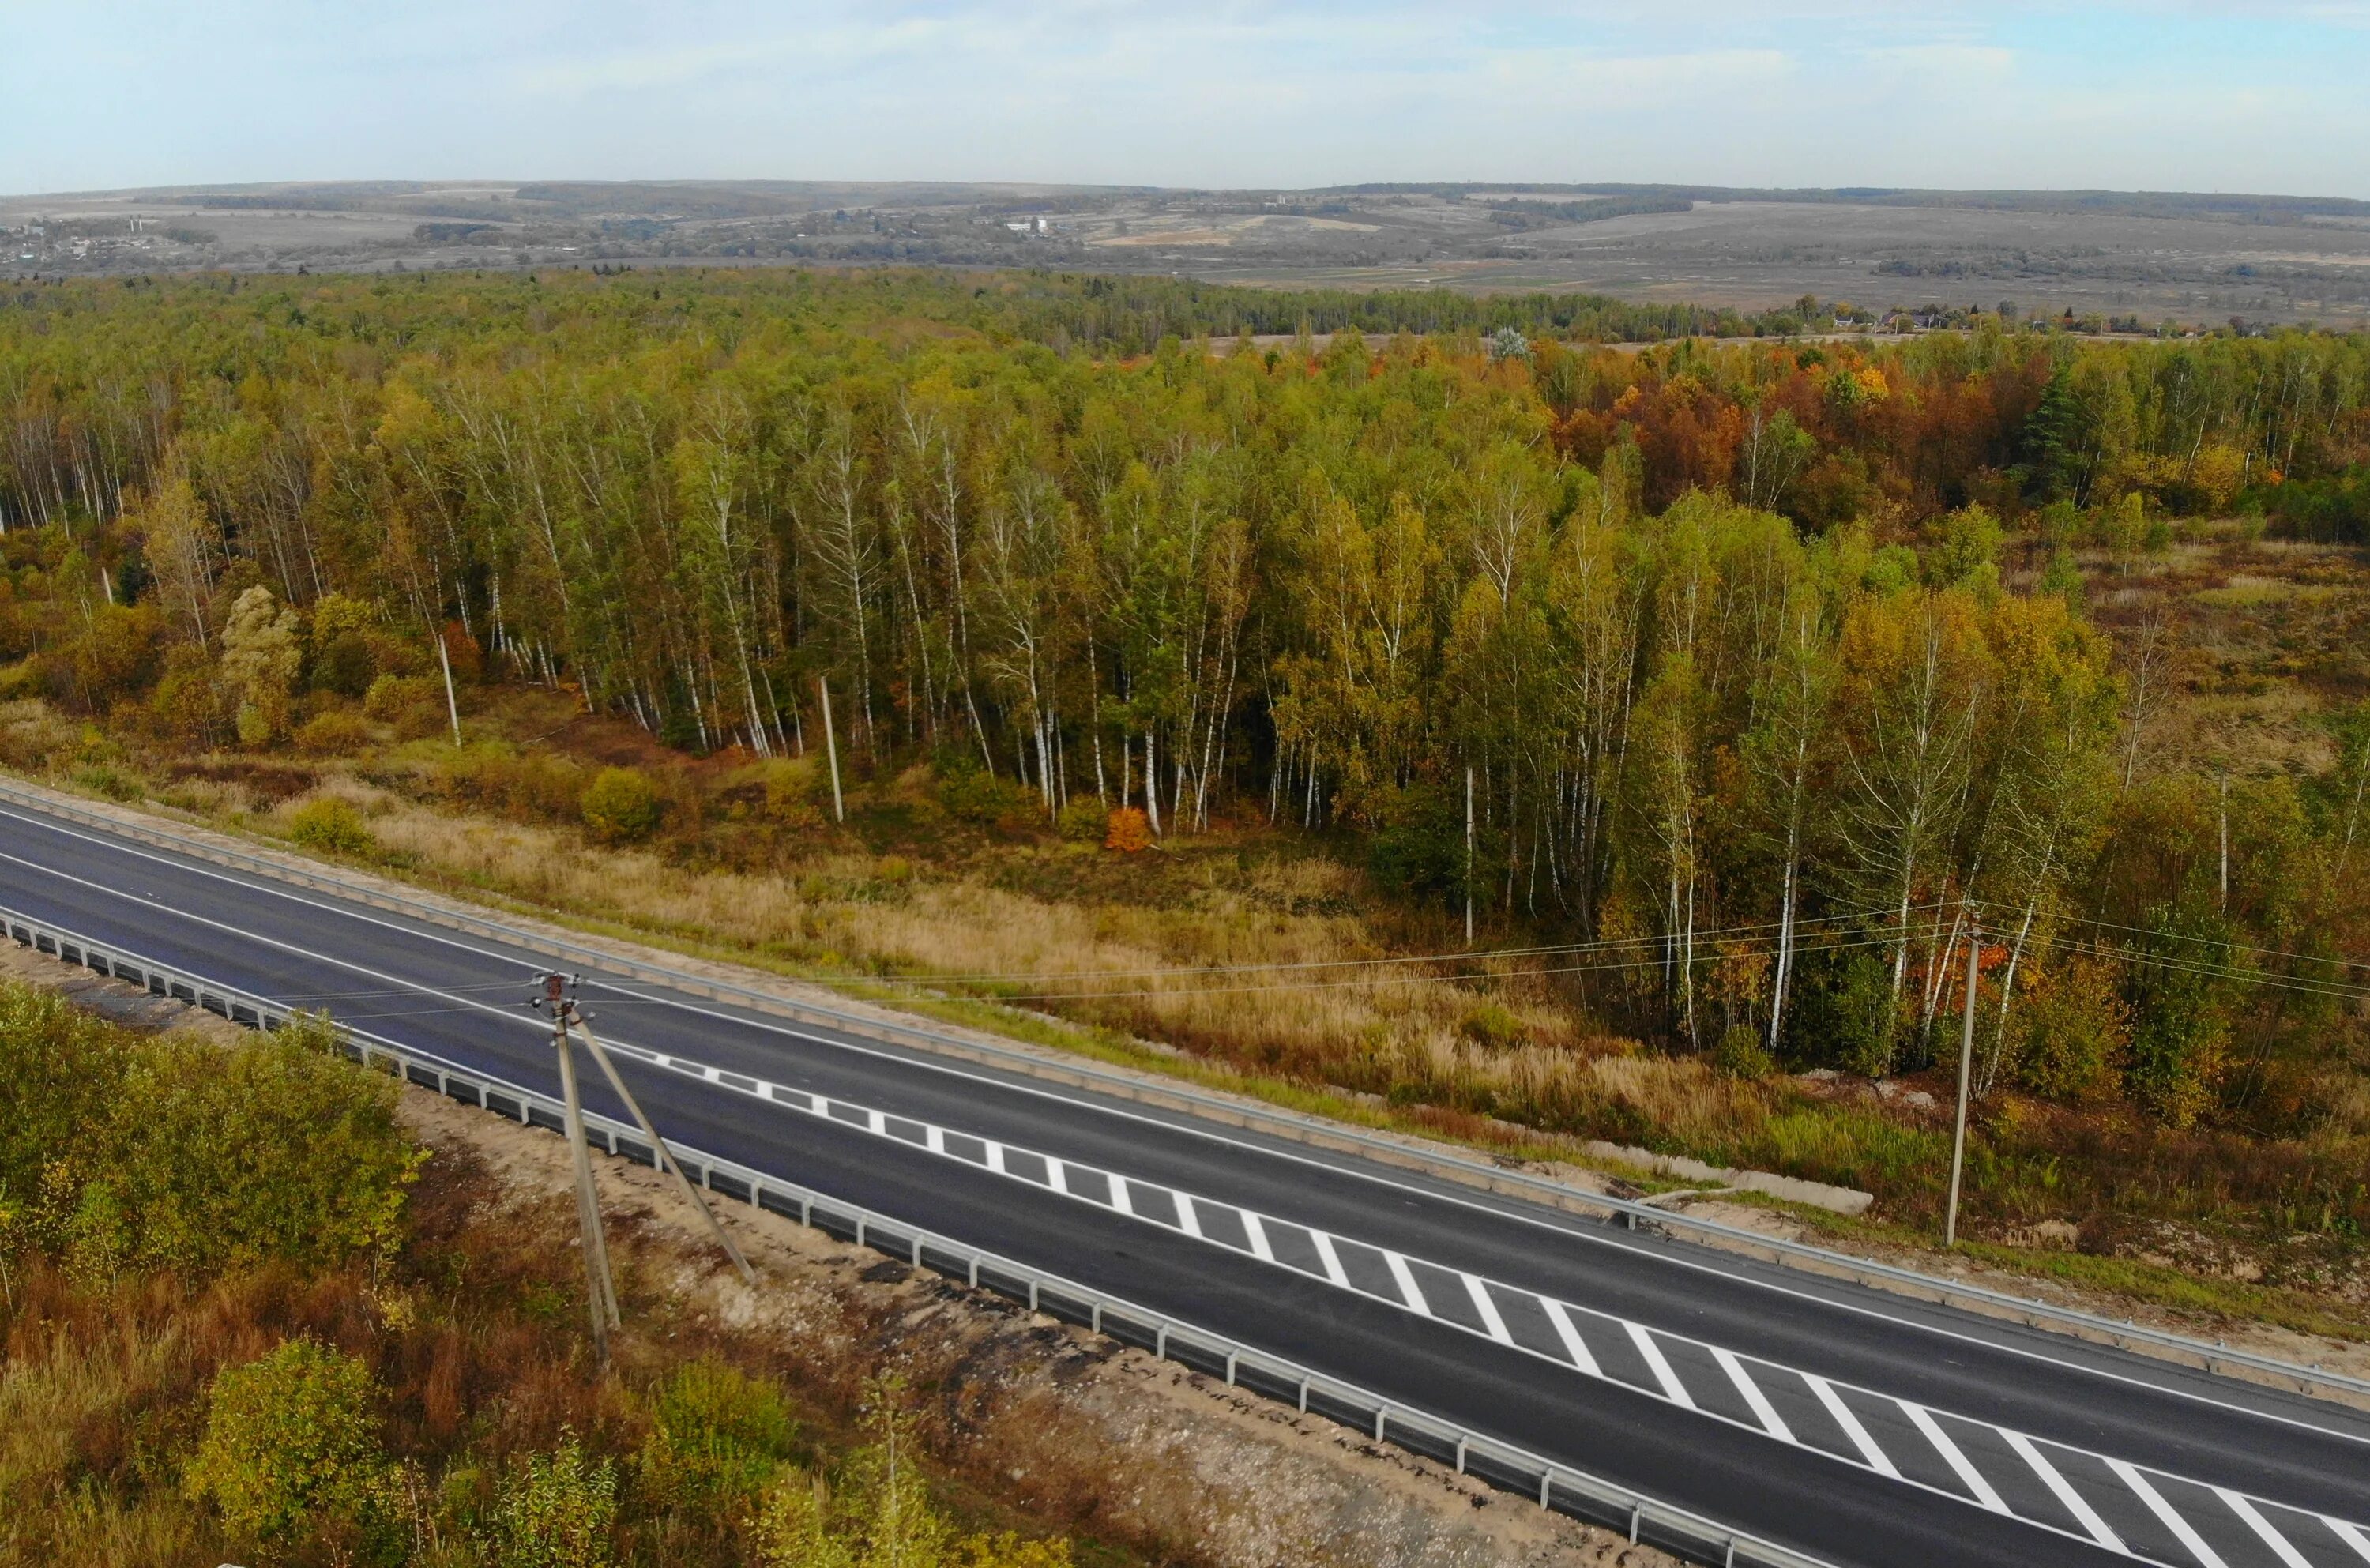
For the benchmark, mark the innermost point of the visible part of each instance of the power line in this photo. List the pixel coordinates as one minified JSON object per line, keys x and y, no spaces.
{"x":1543,"y":949}
{"x":2184,"y":937}
{"x":1882,"y":938}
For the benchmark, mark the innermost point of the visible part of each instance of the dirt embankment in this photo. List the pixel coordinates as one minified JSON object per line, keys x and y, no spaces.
{"x":1053,"y":1421}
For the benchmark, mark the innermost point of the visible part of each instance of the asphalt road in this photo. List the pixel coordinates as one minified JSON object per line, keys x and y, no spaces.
{"x":1851,"y":1423}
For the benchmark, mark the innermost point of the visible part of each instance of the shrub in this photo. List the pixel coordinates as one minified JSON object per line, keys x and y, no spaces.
{"x":621,"y":806}
{"x":344,"y":661}
{"x":2071,"y":1033}
{"x":790,"y":795}
{"x":390,"y":696}
{"x":882,"y":1511}
{"x":717,"y":1436}
{"x":345,"y":664}
{"x":259,"y":659}
{"x":1741,"y":1054}
{"x":556,"y":1510}
{"x":1083,"y":820}
{"x":190,"y":706}
{"x":973,"y":795}
{"x":530,"y":785}
{"x":331,"y":826}
{"x":1492,"y":1025}
{"x":106,"y":779}
{"x":1129,"y":831}
{"x":291,"y":1441}
{"x":275,"y":1149}
{"x":336,"y":732}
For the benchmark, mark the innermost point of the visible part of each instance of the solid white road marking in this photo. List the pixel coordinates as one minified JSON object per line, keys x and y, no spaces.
{"x":2167,"y":1515}
{"x":1189,"y":1221}
{"x":1056,"y":1177}
{"x":2075,"y":1503}
{"x":1119,"y":1198}
{"x":1969,"y":1476}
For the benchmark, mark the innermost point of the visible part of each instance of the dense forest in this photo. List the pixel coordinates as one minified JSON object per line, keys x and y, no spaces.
{"x":1757,"y":676}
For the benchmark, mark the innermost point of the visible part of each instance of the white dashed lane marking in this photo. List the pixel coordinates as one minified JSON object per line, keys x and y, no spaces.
{"x":2085,"y":1486}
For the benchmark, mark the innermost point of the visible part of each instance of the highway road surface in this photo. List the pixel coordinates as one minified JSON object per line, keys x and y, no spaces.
{"x":1851,"y":1424}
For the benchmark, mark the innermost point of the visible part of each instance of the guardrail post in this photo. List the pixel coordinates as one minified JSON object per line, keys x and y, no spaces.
{"x":1230,"y":1368}
{"x":1546,"y":1479}
{"x":974,"y":1271}
{"x":1637,"y":1511}
{"x":1161,"y":1343}
{"x":1094,"y":1313}
{"x":1380,"y":1411}
{"x":1303,"y":1396}
{"x":1032,"y":1295}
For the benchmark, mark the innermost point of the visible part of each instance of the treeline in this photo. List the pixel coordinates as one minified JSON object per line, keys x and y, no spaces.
{"x":1700,"y":655}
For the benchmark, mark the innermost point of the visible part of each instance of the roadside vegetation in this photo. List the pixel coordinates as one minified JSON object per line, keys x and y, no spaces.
{"x":244,"y":1316}
{"x":1727,"y":697}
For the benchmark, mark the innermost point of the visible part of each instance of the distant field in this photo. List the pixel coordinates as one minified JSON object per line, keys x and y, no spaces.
{"x":2120,"y":257}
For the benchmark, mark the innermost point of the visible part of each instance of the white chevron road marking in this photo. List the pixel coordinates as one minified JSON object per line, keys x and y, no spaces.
{"x":2075,"y":1503}
{"x":2168,"y":1516}
{"x":1573,"y":1345}
{"x":1404,"y":1277}
{"x":2280,"y":1545}
{"x":1746,"y":1374}
{"x":1972,"y":1477}
{"x":1878,"y":1459}
{"x":1491,"y":1320}
{"x":1673,"y":1390}
{"x":1771,"y":1422}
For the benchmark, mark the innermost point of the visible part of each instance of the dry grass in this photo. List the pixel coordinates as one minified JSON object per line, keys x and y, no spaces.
{"x":1127,"y":965}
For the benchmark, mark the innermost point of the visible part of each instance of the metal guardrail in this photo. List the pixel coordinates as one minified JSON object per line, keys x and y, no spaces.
{"x":1500,"y":1465}
{"x":1293,"y":1126}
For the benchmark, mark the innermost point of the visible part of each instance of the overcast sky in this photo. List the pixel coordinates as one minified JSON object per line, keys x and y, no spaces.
{"x":2164,"y":96}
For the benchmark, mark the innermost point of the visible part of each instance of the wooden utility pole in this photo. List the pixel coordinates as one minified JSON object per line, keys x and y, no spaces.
{"x":600,"y":1287}
{"x":1966,"y":1067}
{"x":831,"y":744}
{"x":659,"y":1150}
